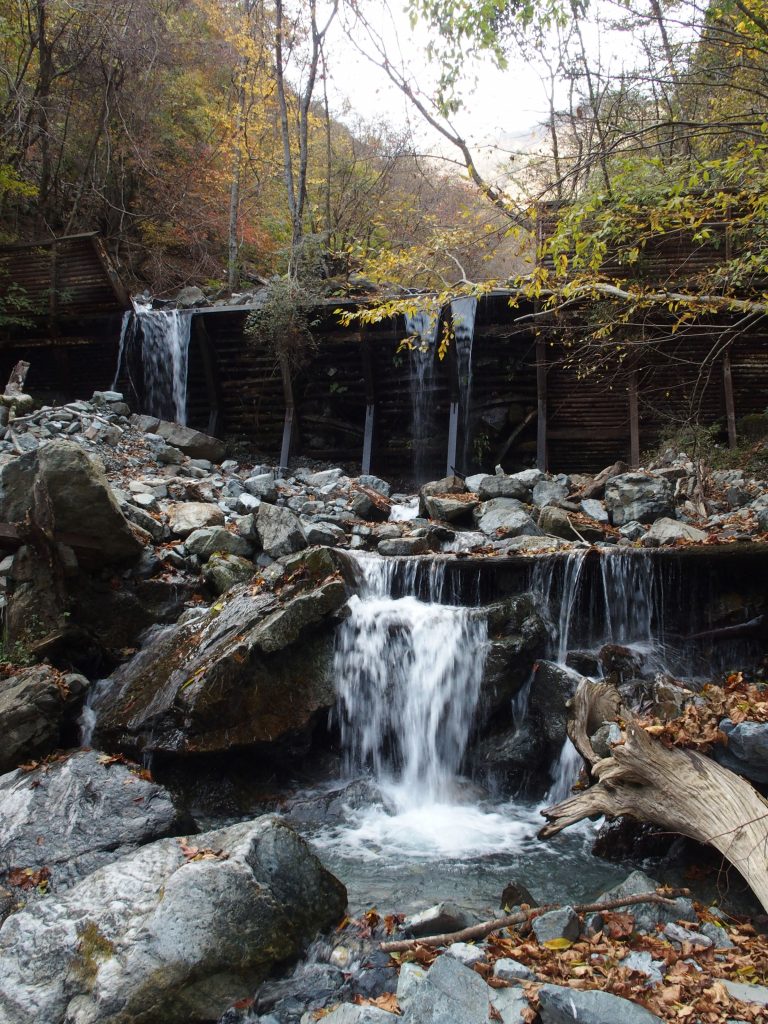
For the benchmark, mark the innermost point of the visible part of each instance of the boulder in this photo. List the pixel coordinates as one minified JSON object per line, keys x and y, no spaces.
{"x":511,"y":756}
{"x":648,"y":915}
{"x":212,"y":539}
{"x":443,"y":917}
{"x":451,"y":993}
{"x":78,"y":813}
{"x":192,"y":442}
{"x":224,"y":571}
{"x":667,"y":531}
{"x":517,"y":637}
{"x":556,"y":925}
{"x":555,"y":522}
{"x":349,"y":1013}
{"x":561,"y":1005}
{"x":450,"y":509}
{"x":191,"y":296}
{"x":504,"y":487}
{"x":278,"y":530}
{"x":594,"y":509}
{"x":446,"y":485}
{"x":403,"y":546}
{"x":505,"y":516}
{"x":374,"y":483}
{"x":552,"y":687}
{"x":187,"y":516}
{"x":327,"y":534}
{"x":65,"y":490}
{"x":262,"y":486}
{"x":254,"y":671}
{"x":35,"y":703}
{"x":746,"y":752}
{"x":638,"y":496}
{"x":172,"y":932}
{"x":549,"y":492}
{"x":508,"y":969}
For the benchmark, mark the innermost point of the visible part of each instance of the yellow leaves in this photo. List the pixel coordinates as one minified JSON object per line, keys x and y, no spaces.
{"x":561,"y":943}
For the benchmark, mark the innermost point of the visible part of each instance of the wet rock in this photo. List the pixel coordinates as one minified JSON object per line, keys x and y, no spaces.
{"x":443,"y":917}
{"x":255,"y":671}
{"x":156,"y":935}
{"x":508,"y":969}
{"x":188,"y":516}
{"x":620,"y":663}
{"x":551,"y":689}
{"x":517,"y":637}
{"x":515,"y":894}
{"x":331,"y":805}
{"x":34,"y":705}
{"x":746,"y":752}
{"x":77,"y":814}
{"x":503,"y":487}
{"x":505,"y":516}
{"x":638,"y":496}
{"x":667,"y":531}
{"x":310,"y":987}
{"x":69,"y":488}
{"x":403,"y":546}
{"x":648,"y":915}
{"x":450,"y":994}
{"x":512,"y":755}
{"x":557,"y":924}
{"x":560,"y":1005}
{"x":224,"y":571}
{"x":278,"y":530}
{"x":216,"y":539}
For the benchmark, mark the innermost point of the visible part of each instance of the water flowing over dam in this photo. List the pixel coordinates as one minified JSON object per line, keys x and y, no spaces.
{"x":155,"y":344}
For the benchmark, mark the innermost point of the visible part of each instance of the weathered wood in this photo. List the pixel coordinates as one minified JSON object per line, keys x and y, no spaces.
{"x":210,"y":370}
{"x":634,"y":423}
{"x":17,"y":379}
{"x":541,"y":404}
{"x":730,"y":407}
{"x":679,"y":789}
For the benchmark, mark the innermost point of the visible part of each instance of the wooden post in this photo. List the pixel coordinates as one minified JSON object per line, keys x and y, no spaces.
{"x":634,"y":423}
{"x":370,"y":402}
{"x":730,"y":408}
{"x":212,"y":384}
{"x":541,"y":404}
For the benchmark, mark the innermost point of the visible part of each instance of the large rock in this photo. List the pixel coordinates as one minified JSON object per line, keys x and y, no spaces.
{"x":193,"y":443}
{"x":254,"y":671}
{"x":648,"y":915}
{"x":667,"y":531}
{"x":278,"y":530}
{"x":35,"y":703}
{"x":186,"y":517}
{"x":552,"y":687}
{"x":561,"y":1005}
{"x":450,"y":508}
{"x":505,"y":516}
{"x":450,"y":994}
{"x":517,"y":638}
{"x":504,"y":487}
{"x":746,"y":751}
{"x":76,"y":814}
{"x":64,"y":489}
{"x":639,"y":497}
{"x":167,"y":934}
{"x":215,"y":538}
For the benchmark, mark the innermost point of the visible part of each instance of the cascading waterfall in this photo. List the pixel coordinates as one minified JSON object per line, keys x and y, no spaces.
{"x":422,"y":329}
{"x":163,"y":336}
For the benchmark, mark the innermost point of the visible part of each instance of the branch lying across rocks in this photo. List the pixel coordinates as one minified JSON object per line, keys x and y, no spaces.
{"x":483,"y":928}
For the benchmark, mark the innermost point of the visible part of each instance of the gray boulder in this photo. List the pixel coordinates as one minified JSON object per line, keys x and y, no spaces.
{"x":262,"y":486}
{"x":374,"y":483}
{"x":327,"y":534}
{"x":667,"y":531}
{"x":65,"y":489}
{"x":638,"y":496}
{"x":552,"y":687}
{"x":504,"y":487}
{"x":188,"y":516}
{"x":648,"y":915}
{"x":167,"y":933}
{"x":403,"y":546}
{"x":34,"y":705}
{"x":254,"y":671}
{"x":508,"y":969}
{"x":450,"y":994}
{"x":506,"y":516}
{"x":443,"y":917}
{"x":560,"y":1005}
{"x":191,"y":296}
{"x":557,"y":924}
{"x":223,"y":571}
{"x":746,"y":752}
{"x":206,"y":541}
{"x":76,"y":814}
{"x":549,"y":492}
{"x":278,"y":530}
{"x":450,"y":509}
{"x":192,"y":442}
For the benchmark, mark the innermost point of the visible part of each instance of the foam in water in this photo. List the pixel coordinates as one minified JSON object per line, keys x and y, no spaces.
{"x":164,"y":335}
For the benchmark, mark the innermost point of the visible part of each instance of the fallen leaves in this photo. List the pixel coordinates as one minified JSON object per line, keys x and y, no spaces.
{"x":27,"y":879}
{"x":192,"y":854}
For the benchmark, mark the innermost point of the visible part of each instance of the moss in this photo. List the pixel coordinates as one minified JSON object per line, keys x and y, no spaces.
{"x":92,"y":947}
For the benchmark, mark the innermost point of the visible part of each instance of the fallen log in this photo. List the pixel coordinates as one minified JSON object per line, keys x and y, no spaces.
{"x":681,"y":790}
{"x":483,"y":928}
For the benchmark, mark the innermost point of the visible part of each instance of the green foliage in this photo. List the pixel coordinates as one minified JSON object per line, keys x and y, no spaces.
{"x":14,"y":303}
{"x":284,"y":322}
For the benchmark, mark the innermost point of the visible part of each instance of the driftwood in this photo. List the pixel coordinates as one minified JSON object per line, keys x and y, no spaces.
{"x":479,"y":931}
{"x":681,"y":790}
{"x":14,"y":389}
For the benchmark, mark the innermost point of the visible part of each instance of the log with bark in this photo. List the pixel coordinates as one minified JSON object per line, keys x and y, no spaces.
{"x":681,"y":790}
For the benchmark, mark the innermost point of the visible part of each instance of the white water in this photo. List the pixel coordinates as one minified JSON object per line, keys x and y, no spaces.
{"x":422,"y":329}
{"x":165,"y":338}
{"x":463,"y":313}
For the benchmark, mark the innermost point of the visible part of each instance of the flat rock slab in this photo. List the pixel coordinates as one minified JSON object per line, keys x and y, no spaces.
{"x":77,"y":814}
{"x":559,"y":1005}
{"x":165,"y":934}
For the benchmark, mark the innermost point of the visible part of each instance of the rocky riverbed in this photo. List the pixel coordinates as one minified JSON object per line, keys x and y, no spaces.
{"x":168,"y":606}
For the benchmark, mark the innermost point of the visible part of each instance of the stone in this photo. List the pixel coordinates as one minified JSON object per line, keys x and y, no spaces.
{"x":644,"y":963}
{"x":224,"y":571}
{"x":466,"y":953}
{"x":718,"y":934}
{"x":450,"y":509}
{"x":604,"y":738}
{"x":191,"y":296}
{"x":638,"y":496}
{"x":411,"y":976}
{"x":403,"y":546}
{"x":193,"y":443}
{"x":325,"y":477}
{"x":667,"y":531}
{"x":594,"y":509}
{"x":473,"y":482}
{"x":348,"y":1013}
{"x":169,"y":456}
{"x":278,"y":530}
{"x":143,"y":519}
{"x":745,"y":992}
{"x":648,"y":915}
{"x":552,"y":687}
{"x":505,"y":516}
{"x":677,"y":934}
{"x":503,"y":487}
{"x":443,"y":917}
{"x":78,"y":813}
{"x":375,"y":483}
{"x":256,"y":670}
{"x":746,"y":751}
{"x":515,"y":894}
{"x":632,"y":531}
{"x":216,"y":539}
{"x":508,"y":969}
{"x":262,"y":487}
{"x":187,"y":516}
{"x":560,"y":1005}
{"x":79,"y":499}
{"x":160,"y":935}
{"x":34,"y":704}
{"x":324,"y":533}
{"x":510,"y":1004}
{"x":549,"y":492}
{"x":557,"y":924}
{"x":451,"y":993}
{"x":555,"y":522}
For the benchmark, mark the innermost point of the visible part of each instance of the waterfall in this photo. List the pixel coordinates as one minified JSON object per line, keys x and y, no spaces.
{"x":163,"y":336}
{"x":463,"y":313}
{"x":422,"y":328}
{"x":408,"y":675}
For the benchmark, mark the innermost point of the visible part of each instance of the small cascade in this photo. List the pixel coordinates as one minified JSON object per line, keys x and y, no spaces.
{"x":422,"y":329}
{"x":161,"y":339}
{"x":564,"y":773}
{"x":463,"y":313}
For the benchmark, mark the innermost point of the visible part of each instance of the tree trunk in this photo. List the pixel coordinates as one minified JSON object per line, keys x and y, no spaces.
{"x":681,"y":790}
